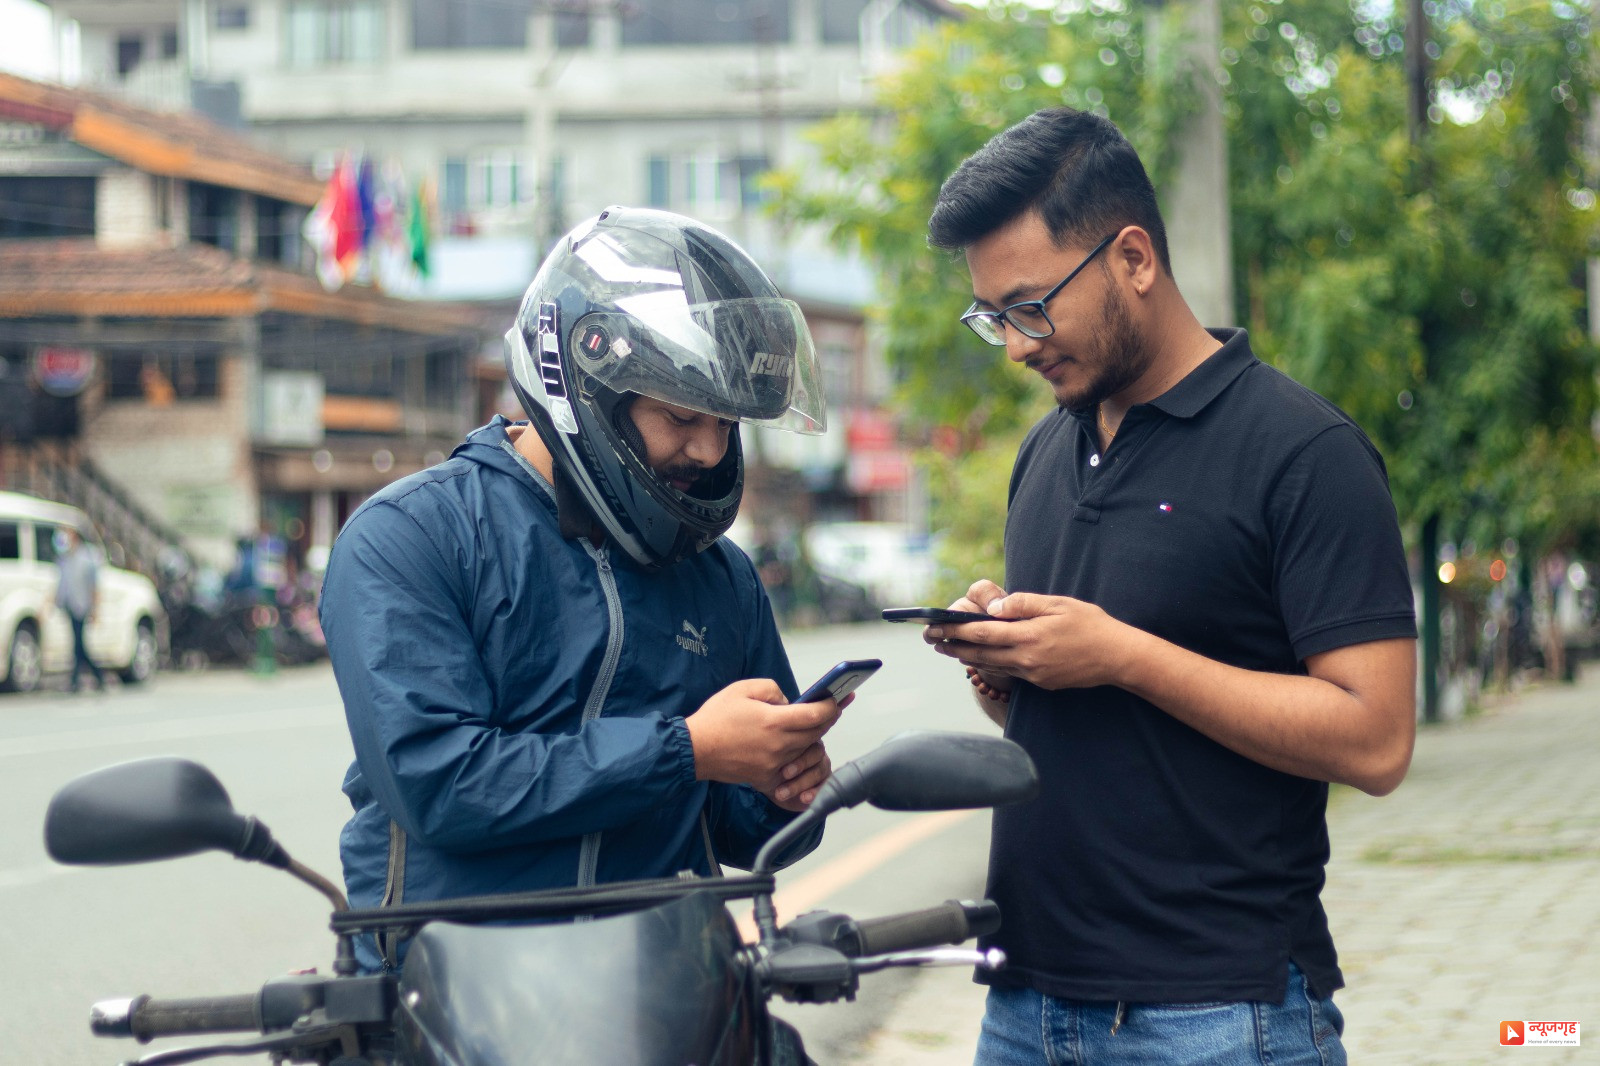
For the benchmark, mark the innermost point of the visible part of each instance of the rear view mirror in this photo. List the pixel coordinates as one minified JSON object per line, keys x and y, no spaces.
{"x":150,"y":809}
{"x":919,"y":771}
{"x":933,"y":771}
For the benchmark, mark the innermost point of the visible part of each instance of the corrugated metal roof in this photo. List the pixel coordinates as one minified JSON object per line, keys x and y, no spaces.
{"x":178,"y":145}
{"x":75,"y":276}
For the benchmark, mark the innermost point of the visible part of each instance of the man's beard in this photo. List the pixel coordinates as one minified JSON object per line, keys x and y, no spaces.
{"x":1118,"y":355}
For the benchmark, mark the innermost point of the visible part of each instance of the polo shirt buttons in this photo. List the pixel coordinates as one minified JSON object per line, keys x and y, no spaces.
{"x":1094,"y":460}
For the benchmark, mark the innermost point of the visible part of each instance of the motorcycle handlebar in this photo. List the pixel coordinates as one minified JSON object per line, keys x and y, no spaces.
{"x":145,"y":1018}
{"x":949,"y":923}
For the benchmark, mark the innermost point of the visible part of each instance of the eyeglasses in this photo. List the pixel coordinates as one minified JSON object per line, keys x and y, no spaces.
{"x":1028,"y":317}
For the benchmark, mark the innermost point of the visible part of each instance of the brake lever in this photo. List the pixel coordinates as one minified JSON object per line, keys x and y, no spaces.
{"x":990,"y":959}
{"x":288,"y":1042}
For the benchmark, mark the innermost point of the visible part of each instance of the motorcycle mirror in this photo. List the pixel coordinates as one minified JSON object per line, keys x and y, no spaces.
{"x":149,"y":809}
{"x":928,"y":770}
{"x":925,"y":770}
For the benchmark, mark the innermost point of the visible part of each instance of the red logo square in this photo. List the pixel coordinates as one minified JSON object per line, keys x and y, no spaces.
{"x":1510,"y":1033}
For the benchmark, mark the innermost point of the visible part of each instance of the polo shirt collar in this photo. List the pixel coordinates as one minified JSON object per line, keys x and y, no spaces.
{"x":1205,"y":382}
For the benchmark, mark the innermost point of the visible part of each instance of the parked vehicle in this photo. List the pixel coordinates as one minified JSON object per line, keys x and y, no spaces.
{"x":213,"y":624}
{"x":129,"y":626}
{"x":658,"y":977}
{"x":885,"y":558}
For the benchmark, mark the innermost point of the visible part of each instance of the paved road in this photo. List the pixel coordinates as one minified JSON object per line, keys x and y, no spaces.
{"x":210,"y":924}
{"x":1468,"y":897}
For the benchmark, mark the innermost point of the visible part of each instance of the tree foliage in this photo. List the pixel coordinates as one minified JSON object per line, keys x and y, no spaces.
{"x":1434,"y":290}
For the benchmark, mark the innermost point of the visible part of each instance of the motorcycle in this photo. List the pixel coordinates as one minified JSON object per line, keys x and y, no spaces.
{"x":637,"y":973}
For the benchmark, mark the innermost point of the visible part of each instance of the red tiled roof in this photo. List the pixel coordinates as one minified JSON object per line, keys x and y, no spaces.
{"x":74,"y":276}
{"x":182,"y":145}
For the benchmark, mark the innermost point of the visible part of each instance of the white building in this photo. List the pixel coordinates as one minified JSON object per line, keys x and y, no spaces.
{"x":528,"y":115}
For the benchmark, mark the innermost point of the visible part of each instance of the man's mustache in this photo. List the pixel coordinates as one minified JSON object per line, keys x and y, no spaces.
{"x":686,"y":472}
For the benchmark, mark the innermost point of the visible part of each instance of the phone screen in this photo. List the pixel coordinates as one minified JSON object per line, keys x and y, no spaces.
{"x":842,"y":680}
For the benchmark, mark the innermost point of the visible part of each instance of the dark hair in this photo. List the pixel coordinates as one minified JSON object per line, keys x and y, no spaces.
{"x":1075,"y":167}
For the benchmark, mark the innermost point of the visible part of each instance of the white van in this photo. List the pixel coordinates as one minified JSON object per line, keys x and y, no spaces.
{"x":35,"y":635}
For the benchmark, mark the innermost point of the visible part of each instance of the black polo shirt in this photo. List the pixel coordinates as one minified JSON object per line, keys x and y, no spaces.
{"x":1243,"y":517}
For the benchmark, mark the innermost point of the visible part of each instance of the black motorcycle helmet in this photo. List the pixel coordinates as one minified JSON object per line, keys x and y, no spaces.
{"x":639,"y":302}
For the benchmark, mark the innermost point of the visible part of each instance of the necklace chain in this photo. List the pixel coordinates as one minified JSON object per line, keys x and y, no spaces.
{"x":1100,"y":414}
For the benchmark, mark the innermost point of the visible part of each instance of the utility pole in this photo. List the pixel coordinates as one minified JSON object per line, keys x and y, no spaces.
{"x":545,"y":64}
{"x":1195,"y":198}
{"x":541,"y":122}
{"x":1416,"y":41}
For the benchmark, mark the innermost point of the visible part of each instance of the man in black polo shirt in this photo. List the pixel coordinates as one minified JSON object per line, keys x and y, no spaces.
{"x":1208,"y":616}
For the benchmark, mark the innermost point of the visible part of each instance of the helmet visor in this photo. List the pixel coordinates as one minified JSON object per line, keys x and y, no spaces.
{"x":749,"y":360}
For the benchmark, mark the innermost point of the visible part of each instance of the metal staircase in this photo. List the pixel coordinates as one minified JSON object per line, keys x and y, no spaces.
{"x":134,"y":538}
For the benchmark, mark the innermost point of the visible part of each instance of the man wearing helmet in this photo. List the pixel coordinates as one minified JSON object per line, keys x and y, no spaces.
{"x":555,"y":670}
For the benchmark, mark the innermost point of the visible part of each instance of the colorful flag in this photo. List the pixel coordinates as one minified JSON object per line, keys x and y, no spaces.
{"x":366,"y":202}
{"x":333,"y":229}
{"x":419,"y":225}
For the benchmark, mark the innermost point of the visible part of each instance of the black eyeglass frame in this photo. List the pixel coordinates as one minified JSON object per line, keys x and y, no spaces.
{"x":1002,"y":317}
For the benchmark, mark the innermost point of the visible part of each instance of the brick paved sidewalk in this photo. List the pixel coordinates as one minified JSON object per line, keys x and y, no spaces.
{"x":1472,"y":894}
{"x":1468,"y":897}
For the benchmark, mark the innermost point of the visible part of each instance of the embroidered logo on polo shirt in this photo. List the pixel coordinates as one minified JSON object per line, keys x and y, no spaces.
{"x":695,"y":641}
{"x":1164,"y":507}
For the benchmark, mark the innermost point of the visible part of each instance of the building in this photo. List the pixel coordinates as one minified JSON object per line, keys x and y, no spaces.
{"x":168,"y":364}
{"x":528,"y":115}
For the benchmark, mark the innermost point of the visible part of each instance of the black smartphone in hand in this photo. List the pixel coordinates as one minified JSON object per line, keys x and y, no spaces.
{"x":934,"y":616}
{"x":840,"y":681}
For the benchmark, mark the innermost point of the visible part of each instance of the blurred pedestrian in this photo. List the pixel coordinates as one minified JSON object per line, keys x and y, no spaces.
{"x":78,"y":593}
{"x":1209,"y":617}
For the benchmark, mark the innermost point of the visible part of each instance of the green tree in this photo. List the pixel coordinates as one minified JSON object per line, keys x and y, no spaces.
{"x":1432,"y":291}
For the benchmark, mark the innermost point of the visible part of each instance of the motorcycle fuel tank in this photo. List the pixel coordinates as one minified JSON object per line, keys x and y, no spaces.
{"x":657,"y":987}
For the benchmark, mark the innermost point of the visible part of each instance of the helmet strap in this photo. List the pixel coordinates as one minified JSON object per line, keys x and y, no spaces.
{"x":572,"y":513}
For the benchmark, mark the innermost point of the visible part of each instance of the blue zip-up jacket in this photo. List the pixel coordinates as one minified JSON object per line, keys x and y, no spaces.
{"x":517,"y":700}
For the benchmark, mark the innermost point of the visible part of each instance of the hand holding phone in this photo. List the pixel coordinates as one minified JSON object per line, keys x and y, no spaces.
{"x":935,"y":616}
{"x":840,"y":681}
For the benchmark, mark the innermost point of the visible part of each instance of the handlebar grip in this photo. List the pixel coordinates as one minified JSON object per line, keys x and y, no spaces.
{"x":949,"y":923}
{"x":146,"y":1018}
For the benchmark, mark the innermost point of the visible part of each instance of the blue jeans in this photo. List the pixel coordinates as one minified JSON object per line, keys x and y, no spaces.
{"x":1022,"y":1027}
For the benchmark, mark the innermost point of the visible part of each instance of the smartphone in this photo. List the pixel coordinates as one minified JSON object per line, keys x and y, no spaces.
{"x":933,"y":616}
{"x":842,"y":680}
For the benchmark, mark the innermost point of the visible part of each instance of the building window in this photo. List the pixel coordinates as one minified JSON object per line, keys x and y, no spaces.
{"x":489,"y":179}
{"x":487,"y":24}
{"x":232,"y":16}
{"x":334,"y":31}
{"x":46,"y":207}
{"x":841,"y":21}
{"x":161,"y":378}
{"x":494,"y":179}
{"x":169,"y":43}
{"x":214,"y":215}
{"x":659,"y":182}
{"x":130,"y":50}
{"x":658,"y":22}
{"x":453,"y":196}
{"x":707,"y":185}
{"x":277,"y":231}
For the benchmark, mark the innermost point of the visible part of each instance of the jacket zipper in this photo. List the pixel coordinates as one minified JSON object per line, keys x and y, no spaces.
{"x":589,"y":854}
